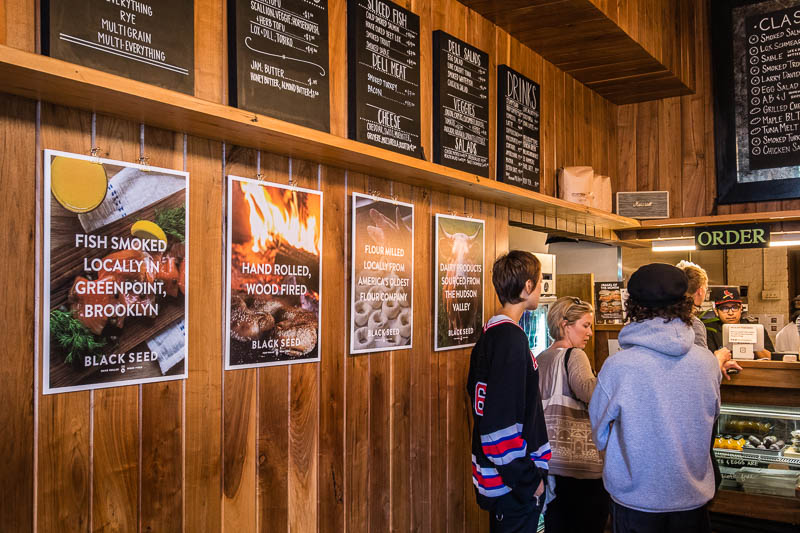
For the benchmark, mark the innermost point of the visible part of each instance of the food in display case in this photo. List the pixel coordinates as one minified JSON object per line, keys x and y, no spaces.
{"x":754,"y":444}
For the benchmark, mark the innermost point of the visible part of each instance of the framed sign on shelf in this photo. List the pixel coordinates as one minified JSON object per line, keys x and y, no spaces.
{"x":756,"y":72}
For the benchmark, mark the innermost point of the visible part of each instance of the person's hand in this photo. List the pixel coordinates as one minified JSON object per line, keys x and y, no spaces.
{"x":539,"y":490}
{"x":763,"y":354}
{"x":723,"y":355}
{"x":730,"y":364}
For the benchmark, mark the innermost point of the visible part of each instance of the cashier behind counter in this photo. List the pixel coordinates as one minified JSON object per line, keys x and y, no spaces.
{"x":728,"y":310}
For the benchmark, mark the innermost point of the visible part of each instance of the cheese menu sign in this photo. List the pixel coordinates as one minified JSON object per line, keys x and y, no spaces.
{"x":143,"y":40}
{"x":279,"y":59}
{"x":517,"y":129}
{"x":383,"y":75}
{"x":461,"y":105}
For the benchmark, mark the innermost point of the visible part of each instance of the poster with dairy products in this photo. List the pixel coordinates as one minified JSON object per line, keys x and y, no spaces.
{"x":115,"y":263}
{"x":274,"y":289}
{"x":458,"y":314}
{"x":382,"y":295}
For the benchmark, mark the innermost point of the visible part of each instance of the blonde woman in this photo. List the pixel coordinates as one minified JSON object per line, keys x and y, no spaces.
{"x":577,"y":500}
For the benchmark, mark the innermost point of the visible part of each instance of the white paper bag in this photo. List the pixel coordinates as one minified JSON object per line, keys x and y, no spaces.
{"x":576,"y":184}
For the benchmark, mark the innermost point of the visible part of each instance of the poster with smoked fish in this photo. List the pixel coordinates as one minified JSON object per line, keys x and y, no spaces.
{"x":382,"y":295}
{"x":458,"y":311}
{"x":274,"y":288}
{"x":116,"y":258}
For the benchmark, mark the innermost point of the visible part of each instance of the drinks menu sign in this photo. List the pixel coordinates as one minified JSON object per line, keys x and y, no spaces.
{"x":279,"y":59}
{"x":146,"y":41}
{"x":461,"y":105}
{"x":517,"y":129}
{"x":383,"y":74}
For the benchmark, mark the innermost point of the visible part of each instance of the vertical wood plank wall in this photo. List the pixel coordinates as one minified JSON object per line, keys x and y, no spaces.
{"x":376,"y":442}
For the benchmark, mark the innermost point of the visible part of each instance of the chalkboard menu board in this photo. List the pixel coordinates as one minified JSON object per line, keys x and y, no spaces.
{"x":461,"y":105}
{"x":756,"y":61}
{"x":146,"y":41}
{"x":383,"y":75}
{"x":278,"y":59}
{"x":517,"y":129}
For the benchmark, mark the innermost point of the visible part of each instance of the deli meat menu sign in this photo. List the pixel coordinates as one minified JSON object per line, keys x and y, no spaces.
{"x":143,"y":40}
{"x":279,"y":59}
{"x":383,"y":74}
{"x":517,"y":129}
{"x":461,"y":104}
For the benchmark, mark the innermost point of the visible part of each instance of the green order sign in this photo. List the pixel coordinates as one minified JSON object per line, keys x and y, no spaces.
{"x":732,"y":236}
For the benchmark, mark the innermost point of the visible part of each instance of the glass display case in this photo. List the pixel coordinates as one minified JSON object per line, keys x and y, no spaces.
{"x":758,"y":449}
{"x":534,"y":323}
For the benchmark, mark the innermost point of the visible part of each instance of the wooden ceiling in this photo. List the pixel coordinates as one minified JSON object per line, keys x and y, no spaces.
{"x":627,"y":52}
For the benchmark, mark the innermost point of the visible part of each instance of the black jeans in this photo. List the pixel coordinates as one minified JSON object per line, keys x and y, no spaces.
{"x":625,"y":520}
{"x":580,"y":505}
{"x":513,"y":516}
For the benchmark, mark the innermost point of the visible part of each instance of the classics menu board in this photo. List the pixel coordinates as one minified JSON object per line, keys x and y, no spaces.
{"x":279,"y":59}
{"x":773,"y":88}
{"x":151,"y":42}
{"x":517,"y":129}
{"x":383,"y":75}
{"x":461,"y":105}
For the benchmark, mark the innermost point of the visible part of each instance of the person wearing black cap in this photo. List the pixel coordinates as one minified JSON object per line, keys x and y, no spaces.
{"x":728,"y":310}
{"x":653,"y":411}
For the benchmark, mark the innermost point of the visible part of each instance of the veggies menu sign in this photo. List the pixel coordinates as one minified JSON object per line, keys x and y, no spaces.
{"x":115,"y":262}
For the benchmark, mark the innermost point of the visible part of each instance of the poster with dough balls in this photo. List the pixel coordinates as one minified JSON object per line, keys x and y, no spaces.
{"x":116,"y":258}
{"x":458,"y":311}
{"x":274,"y":289}
{"x":382,"y":295}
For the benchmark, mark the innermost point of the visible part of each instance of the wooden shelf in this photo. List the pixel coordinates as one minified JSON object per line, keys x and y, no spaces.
{"x":608,"y":327}
{"x":773,"y":374}
{"x":40,"y":77}
{"x":758,"y":506}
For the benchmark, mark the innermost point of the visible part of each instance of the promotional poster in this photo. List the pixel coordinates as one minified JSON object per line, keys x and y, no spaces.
{"x":459,"y":281}
{"x":115,"y":260}
{"x":608,"y":295}
{"x":274,"y":255}
{"x":382,"y":295}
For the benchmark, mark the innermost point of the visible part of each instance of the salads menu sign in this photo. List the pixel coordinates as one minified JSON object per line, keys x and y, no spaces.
{"x":143,"y":40}
{"x":518,"y":110}
{"x":115,"y":263}
{"x":383,"y":76}
{"x":279,"y":59}
{"x":461,"y":105}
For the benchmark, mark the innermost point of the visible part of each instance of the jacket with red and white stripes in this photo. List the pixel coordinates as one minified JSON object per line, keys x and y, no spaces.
{"x":510,"y":449}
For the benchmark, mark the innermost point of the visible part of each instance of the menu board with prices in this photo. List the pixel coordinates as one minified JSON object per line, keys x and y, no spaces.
{"x":279,"y":59}
{"x":517,"y":129}
{"x":383,"y":76}
{"x":773,"y":88}
{"x":146,"y":41}
{"x":461,"y":105}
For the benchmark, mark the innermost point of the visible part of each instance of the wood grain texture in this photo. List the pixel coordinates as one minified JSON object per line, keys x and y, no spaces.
{"x":210,"y":82}
{"x":17,"y":180}
{"x":17,"y":19}
{"x":64,"y":457}
{"x":337,"y":41}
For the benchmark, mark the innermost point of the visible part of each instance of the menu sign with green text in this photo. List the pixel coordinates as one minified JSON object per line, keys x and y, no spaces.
{"x":732,"y":236}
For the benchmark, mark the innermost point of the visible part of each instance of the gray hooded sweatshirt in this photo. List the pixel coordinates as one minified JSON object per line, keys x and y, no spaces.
{"x":653,"y":412}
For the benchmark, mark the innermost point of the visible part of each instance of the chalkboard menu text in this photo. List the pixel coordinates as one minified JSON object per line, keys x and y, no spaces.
{"x":517,"y":129}
{"x":383,"y":75}
{"x":278,"y":56}
{"x":461,"y":105}
{"x":151,"y":42}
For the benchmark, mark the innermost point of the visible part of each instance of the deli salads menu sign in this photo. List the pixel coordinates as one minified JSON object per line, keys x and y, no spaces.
{"x":143,"y":40}
{"x":279,"y":59}
{"x":383,"y":75}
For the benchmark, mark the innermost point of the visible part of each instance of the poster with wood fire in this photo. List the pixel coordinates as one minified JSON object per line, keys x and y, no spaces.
{"x":382,"y":292}
{"x":459,"y":281}
{"x":274,"y":274}
{"x":115,"y":265}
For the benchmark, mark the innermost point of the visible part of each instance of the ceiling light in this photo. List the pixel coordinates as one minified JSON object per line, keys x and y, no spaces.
{"x":674,"y":245}
{"x":791,"y":238}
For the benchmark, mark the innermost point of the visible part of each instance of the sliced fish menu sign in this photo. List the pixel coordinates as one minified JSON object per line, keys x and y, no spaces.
{"x":383,"y":76}
{"x":279,"y":59}
{"x":461,"y":105}
{"x":517,"y":129}
{"x":146,"y":41}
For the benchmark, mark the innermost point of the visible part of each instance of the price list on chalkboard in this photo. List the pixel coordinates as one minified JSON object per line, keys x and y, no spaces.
{"x":517,"y":129}
{"x":146,"y":41}
{"x":773,"y":88}
{"x":279,"y":59}
{"x":461,"y":105}
{"x":383,"y":75}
